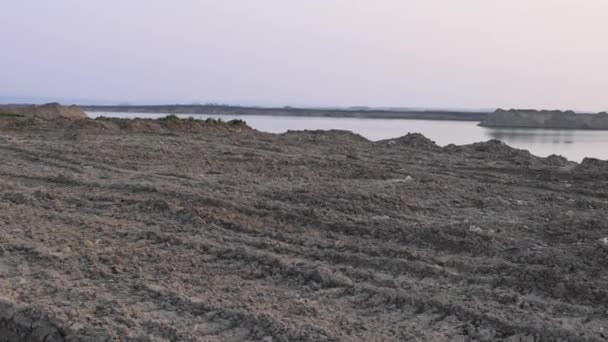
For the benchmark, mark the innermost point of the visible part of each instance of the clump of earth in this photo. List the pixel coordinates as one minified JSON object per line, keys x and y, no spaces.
{"x":184,"y":230}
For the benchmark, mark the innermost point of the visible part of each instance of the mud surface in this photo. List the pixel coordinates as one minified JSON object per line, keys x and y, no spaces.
{"x":145,"y":231}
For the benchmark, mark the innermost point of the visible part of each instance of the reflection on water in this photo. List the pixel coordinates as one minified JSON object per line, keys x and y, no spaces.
{"x":572,"y":144}
{"x":533,"y":136}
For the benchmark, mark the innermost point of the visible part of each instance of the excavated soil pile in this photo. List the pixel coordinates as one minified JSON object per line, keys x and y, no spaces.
{"x":174,"y":230}
{"x":49,"y":111}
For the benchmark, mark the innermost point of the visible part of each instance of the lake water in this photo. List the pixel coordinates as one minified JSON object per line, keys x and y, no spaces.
{"x":572,"y":144}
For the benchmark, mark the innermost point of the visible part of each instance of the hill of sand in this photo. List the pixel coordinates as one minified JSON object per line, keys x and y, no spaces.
{"x":49,"y":111}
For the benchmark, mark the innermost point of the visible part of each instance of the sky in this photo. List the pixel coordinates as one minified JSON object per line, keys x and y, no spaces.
{"x":543,"y":54}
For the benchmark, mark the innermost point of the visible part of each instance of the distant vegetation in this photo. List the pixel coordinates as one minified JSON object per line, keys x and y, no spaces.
{"x":103,"y":118}
{"x":234,"y":122}
{"x":176,"y":119}
{"x":10,"y":115}
{"x":212,"y":121}
{"x":237,"y":122}
{"x":170,"y":117}
{"x":208,"y":121}
{"x":356,"y":112}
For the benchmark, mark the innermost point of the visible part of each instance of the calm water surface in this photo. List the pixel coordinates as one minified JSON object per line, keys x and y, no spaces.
{"x":572,"y":144}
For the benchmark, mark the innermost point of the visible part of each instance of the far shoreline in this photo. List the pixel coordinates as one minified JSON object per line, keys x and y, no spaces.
{"x":443,"y":115}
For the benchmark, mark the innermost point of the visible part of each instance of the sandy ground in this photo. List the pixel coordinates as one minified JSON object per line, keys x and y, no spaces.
{"x":174,"y":231}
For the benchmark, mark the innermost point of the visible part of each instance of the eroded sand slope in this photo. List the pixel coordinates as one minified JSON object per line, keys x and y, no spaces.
{"x":175,"y":231}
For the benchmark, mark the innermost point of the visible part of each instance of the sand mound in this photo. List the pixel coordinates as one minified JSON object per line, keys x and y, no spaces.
{"x":499,"y":151}
{"x":49,"y":111}
{"x":413,"y":140}
{"x":556,"y":160}
{"x":591,"y":167}
{"x":326,"y":135}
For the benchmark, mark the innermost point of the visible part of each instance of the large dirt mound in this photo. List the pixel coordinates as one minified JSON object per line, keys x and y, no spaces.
{"x":49,"y":111}
{"x":79,"y":129}
{"x":415,"y":140}
{"x":333,"y":135}
{"x":168,"y":124}
{"x":591,"y":167}
{"x":494,"y":150}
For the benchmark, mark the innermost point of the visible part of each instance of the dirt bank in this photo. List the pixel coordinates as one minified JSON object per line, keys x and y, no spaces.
{"x":176,"y":230}
{"x":528,"y":118}
{"x":49,"y":111}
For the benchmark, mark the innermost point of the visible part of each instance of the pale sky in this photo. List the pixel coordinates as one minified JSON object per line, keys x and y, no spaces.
{"x":418,"y":53}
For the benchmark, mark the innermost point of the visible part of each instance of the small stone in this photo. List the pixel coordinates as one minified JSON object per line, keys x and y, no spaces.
{"x":475,"y":229}
{"x":560,"y":290}
{"x":486,"y":334}
{"x":89,"y":243}
{"x":77,"y":326}
{"x":603,"y":241}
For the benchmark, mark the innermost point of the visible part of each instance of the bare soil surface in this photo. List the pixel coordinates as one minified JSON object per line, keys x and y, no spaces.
{"x":174,"y":230}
